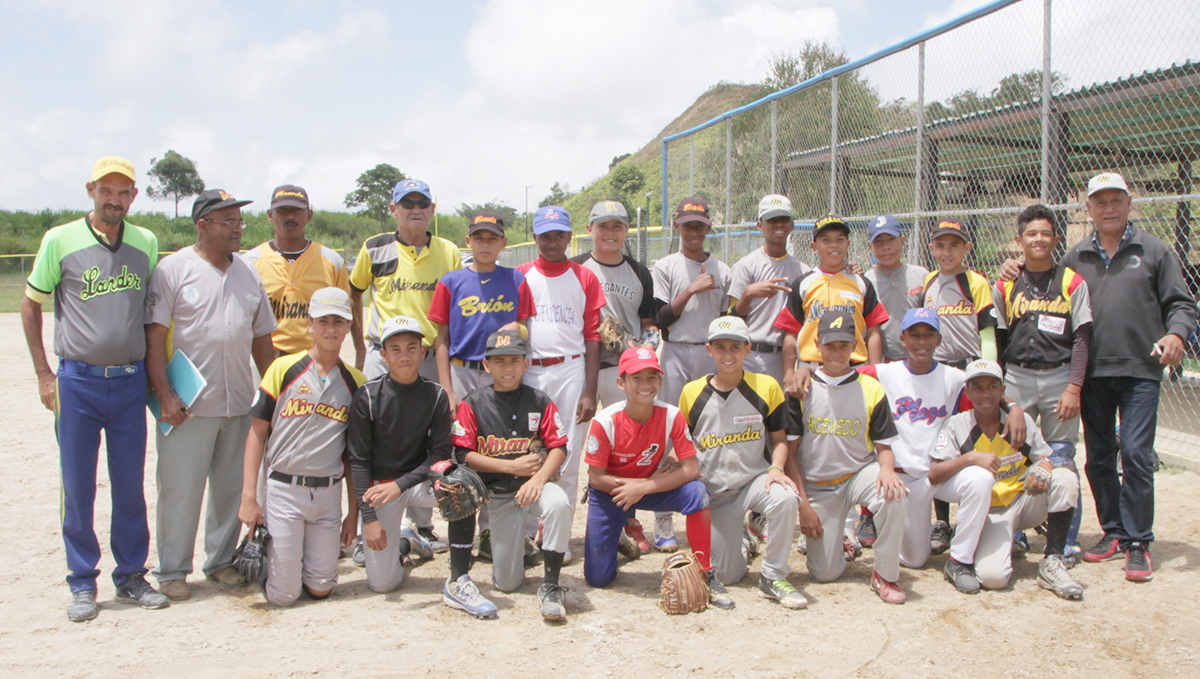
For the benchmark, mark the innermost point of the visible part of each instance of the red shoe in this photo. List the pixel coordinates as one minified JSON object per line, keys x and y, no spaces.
{"x":1107,"y":549}
{"x":890,"y":592}
{"x":633,"y":528}
{"x":1137,"y":563}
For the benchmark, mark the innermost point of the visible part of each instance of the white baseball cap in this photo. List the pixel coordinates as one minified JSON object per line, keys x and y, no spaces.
{"x":774,"y":205}
{"x":984,"y":367}
{"x":330,"y":302}
{"x":728,"y":327}
{"x":1106,"y":180}
{"x":398,"y":324}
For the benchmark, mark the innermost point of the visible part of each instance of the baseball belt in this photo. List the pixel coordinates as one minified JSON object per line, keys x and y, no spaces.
{"x":305,"y":481}
{"x":473,"y":365}
{"x":764,"y":348}
{"x":82,"y":368}
{"x":1038,"y":365}
{"x":832,"y":482}
{"x":554,"y":360}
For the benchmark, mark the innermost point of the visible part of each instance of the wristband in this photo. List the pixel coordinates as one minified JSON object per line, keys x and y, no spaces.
{"x":775,"y":467}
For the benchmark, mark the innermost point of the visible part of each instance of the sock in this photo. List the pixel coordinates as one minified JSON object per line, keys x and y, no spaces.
{"x":942,"y":509}
{"x":1058,"y":524}
{"x":552,"y":564}
{"x":866,"y":513}
{"x":699,"y":533}
{"x":461,"y":535}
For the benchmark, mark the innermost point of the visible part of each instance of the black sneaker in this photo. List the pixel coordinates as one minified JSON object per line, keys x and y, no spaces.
{"x":439,"y":545}
{"x":135,"y":590}
{"x":83,"y":606}
{"x":1107,"y":549}
{"x":962,"y":576}
{"x":717,"y":594}
{"x":939,"y":537}
{"x":553,"y":600}
{"x":1137,"y":563}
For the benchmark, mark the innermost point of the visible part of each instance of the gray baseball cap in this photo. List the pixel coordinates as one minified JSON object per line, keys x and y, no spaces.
{"x":400,"y":324}
{"x":330,"y":302}
{"x":607,"y":210}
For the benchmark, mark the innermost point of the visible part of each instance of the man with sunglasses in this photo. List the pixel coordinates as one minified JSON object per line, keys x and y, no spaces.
{"x":212,"y":306}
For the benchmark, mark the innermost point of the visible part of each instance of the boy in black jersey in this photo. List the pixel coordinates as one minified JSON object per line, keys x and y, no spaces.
{"x":492,"y":435}
{"x":399,"y":426}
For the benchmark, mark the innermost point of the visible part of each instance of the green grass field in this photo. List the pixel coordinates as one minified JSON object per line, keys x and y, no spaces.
{"x":12,"y":289}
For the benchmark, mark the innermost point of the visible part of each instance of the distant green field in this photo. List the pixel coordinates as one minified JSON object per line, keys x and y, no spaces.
{"x":12,"y":289}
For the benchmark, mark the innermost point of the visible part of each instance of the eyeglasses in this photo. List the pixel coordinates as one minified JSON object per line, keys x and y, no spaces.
{"x":228,"y":223}
{"x":410,"y":204}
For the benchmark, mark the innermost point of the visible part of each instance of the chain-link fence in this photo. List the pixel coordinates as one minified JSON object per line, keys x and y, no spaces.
{"x":1015,"y":103}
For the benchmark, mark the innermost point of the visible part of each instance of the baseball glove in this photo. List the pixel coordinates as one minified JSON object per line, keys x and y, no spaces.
{"x":458,"y":489}
{"x":251,"y":556}
{"x":650,"y":338}
{"x":1037,"y":480}
{"x":614,"y":336}
{"x":538,"y":447}
{"x":684,"y":589}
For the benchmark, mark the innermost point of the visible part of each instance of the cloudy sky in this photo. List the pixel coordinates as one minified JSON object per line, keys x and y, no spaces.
{"x":478,"y":98}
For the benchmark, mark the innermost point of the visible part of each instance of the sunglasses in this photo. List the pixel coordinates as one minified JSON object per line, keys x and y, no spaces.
{"x":410,"y":204}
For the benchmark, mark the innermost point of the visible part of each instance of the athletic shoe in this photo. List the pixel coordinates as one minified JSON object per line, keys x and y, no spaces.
{"x":1020,"y":543}
{"x":850,"y":546}
{"x":634,"y":528}
{"x":962,"y":576}
{"x":533,"y":555}
{"x":418,"y":545}
{"x":757,"y":523}
{"x":463,"y":595}
{"x":1072,"y":555}
{"x":553,"y":600}
{"x":135,"y":590}
{"x":1107,"y":549}
{"x":664,"y":534}
{"x":1053,"y":575}
{"x":890,"y":592}
{"x":939,"y":538}
{"x":567,"y":556}
{"x":717,"y":594}
{"x":866,"y":529}
{"x":360,"y":556}
{"x":783,"y":592}
{"x":176,"y":590}
{"x":802,"y":544}
{"x":439,"y":545}
{"x":749,"y":543}
{"x":228,"y":576}
{"x":628,"y":547}
{"x":1137,"y":563}
{"x":484,"y":553}
{"x":83,"y":606}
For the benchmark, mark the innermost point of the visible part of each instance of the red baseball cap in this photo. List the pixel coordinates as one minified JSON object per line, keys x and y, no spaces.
{"x":636,"y":359}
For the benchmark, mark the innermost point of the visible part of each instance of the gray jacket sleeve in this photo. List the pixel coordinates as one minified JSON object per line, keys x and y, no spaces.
{"x":1178,"y":307}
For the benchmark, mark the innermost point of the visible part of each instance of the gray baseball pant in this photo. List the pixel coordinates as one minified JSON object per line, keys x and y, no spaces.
{"x":508,"y":532}
{"x":384,"y":570}
{"x":993,"y":558}
{"x":780,"y":506}
{"x":826,"y":561}
{"x":306,"y":529}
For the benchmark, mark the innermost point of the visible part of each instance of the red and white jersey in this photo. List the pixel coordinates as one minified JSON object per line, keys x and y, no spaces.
{"x":568,"y":298}
{"x":921,"y":404}
{"x":627,"y":448}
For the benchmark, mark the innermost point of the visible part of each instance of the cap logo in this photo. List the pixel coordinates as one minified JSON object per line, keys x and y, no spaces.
{"x":880,"y":221}
{"x":837,"y":323}
{"x":294,"y":194}
{"x":479,"y":219}
{"x":692,"y":207}
{"x":644,"y":354}
{"x":725,"y":325}
{"x":410,"y":183}
{"x":551,"y":214}
{"x":829,"y":220}
{"x":1103,"y":179}
{"x":503,"y":340}
{"x":612,"y":206}
{"x":950,"y":225}
{"x":225,"y":196}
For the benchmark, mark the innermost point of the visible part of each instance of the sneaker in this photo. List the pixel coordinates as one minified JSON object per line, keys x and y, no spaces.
{"x":1137,"y":563}
{"x":757,"y":524}
{"x":802,"y":544}
{"x":176,"y":590}
{"x":1052,"y":575}
{"x":783,"y":592}
{"x":717,"y":594}
{"x":1107,"y":549}
{"x":418,"y":545}
{"x":939,"y":538}
{"x":866,"y":529}
{"x":634,"y":528}
{"x":850,"y":546}
{"x":962,"y":576}
{"x":890,"y":592}
{"x":553,"y":600}
{"x":83,"y":606}
{"x":1072,"y":555}
{"x":360,"y":556}
{"x":664,"y":534}
{"x":533,"y":556}
{"x":749,"y":543}
{"x":484,"y":553}
{"x":228,"y":576}
{"x":135,"y":590}
{"x":463,"y":595}
{"x":627,"y":546}
{"x":1020,"y":543}
{"x":439,"y":545}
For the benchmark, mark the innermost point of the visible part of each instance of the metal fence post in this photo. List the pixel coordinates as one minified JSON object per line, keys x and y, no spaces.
{"x":914,"y":236}
{"x":833,"y":143}
{"x":1044,"y":194}
{"x":774,"y":141}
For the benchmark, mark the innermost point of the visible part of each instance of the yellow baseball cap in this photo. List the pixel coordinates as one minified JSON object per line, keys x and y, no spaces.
{"x":113,"y":164}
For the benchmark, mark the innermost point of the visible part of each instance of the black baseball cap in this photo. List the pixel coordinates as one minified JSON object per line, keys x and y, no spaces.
{"x":835,"y":326}
{"x":831,"y":222}
{"x":505,"y":343}
{"x":289,"y":195}
{"x":950,"y":227}
{"x":693,"y":209}
{"x":486,"y":221}
{"x":214,"y":199}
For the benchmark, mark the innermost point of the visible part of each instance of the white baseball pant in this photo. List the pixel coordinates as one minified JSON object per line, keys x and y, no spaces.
{"x":563,"y":383}
{"x":508,"y":532}
{"x":993,"y":559}
{"x":780,"y":506}
{"x":972,"y":508}
{"x":826,"y":560}
{"x":971,"y":488}
{"x":384,"y":570}
{"x":306,"y":528}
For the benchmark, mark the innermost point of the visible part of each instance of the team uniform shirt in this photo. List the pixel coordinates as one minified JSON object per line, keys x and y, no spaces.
{"x":475,"y":305}
{"x":213,"y":317}
{"x":964,"y":307}
{"x":672,"y":274}
{"x":732,"y":429}
{"x":759,"y":266}
{"x":816,"y":292}
{"x":502,"y":424}
{"x":899,"y":290}
{"x":921,"y":405}
{"x":626,"y":448}
{"x":962,"y":435}
{"x":628,"y":293}
{"x":99,"y":291}
{"x":568,"y":299}
{"x":290,"y":283}
{"x":839,"y":423}
{"x":1041,"y":313}
{"x":401,"y":279}
{"x":308,"y":415}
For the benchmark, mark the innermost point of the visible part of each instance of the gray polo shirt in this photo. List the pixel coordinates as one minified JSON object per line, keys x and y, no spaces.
{"x":214,"y":317}
{"x":759,"y":266}
{"x":672,"y":274}
{"x":899,"y":290}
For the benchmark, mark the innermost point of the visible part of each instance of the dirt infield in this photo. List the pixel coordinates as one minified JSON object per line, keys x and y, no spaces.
{"x":1118,"y":630}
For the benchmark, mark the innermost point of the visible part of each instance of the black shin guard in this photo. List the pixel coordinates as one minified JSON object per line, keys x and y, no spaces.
{"x":942,"y":509}
{"x":461,"y":535}
{"x":1058,"y":524}
{"x":552,"y":563}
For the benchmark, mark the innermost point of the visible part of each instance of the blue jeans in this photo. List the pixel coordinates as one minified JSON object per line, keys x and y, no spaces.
{"x":1124,"y":506}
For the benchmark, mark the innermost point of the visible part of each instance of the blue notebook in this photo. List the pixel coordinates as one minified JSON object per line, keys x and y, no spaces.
{"x":185,"y":380}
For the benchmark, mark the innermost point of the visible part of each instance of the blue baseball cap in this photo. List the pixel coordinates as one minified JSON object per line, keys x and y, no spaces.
{"x":407,"y":186}
{"x":551,"y":218}
{"x":883,"y":224}
{"x":920,"y":315}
